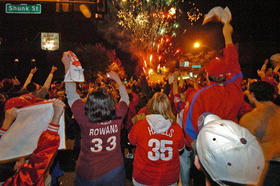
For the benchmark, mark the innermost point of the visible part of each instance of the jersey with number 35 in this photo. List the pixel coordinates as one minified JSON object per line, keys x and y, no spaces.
{"x":156,"y":159}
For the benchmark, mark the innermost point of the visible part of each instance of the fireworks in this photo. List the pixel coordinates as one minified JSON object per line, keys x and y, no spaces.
{"x":193,"y":13}
{"x":150,"y":28}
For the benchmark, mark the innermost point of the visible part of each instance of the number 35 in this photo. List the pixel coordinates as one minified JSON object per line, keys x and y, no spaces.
{"x":159,"y":148}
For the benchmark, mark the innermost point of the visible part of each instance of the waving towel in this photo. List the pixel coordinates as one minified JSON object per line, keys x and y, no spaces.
{"x":22,"y":137}
{"x":275,"y":59}
{"x":222,"y":15}
{"x":75,"y":72}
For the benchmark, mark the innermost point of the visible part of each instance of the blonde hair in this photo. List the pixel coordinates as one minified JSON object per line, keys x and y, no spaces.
{"x":159,"y":104}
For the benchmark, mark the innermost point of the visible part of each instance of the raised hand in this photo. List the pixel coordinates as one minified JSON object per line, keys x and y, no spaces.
{"x":33,"y":70}
{"x":114,"y":76}
{"x":66,"y":60}
{"x":266,"y":61}
{"x":58,"y":108}
{"x":54,"y":68}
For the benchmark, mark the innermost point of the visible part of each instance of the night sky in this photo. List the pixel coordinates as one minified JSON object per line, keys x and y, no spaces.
{"x":255,"y":20}
{"x":256,"y":29}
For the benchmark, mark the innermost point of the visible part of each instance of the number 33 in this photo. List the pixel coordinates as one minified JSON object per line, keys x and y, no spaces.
{"x":97,"y":144}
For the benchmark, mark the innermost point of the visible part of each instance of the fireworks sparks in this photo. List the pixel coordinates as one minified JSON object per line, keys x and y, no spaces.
{"x":151,"y":27}
{"x":194,"y":13}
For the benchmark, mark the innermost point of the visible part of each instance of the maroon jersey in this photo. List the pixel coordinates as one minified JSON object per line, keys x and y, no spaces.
{"x":100,"y":142}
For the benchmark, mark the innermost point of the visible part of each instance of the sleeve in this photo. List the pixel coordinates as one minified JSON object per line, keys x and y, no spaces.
{"x":2,"y":132}
{"x":77,"y":109}
{"x":231,"y":59}
{"x":132,"y":136}
{"x":121,"y":109}
{"x":123,"y":94}
{"x":181,"y":139}
{"x":190,"y":117}
{"x":33,"y":172}
{"x":71,"y":93}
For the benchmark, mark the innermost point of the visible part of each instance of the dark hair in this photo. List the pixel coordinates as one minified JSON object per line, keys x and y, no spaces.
{"x":217,"y":79}
{"x":262,"y":90}
{"x":100,"y":106}
{"x":31,"y":87}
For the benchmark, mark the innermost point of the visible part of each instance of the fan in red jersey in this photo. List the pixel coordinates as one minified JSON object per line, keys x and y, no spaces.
{"x":158,"y":140}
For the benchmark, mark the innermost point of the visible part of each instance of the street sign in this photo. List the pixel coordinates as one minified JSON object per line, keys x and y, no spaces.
{"x":49,"y":41}
{"x":23,"y":9}
{"x":196,"y":66}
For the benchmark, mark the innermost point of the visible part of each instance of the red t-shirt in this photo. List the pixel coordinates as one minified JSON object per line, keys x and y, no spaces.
{"x":156,"y":159}
{"x":100,"y":142}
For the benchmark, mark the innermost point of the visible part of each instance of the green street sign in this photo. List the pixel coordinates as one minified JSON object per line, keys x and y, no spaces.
{"x":23,"y":9}
{"x":196,"y":66}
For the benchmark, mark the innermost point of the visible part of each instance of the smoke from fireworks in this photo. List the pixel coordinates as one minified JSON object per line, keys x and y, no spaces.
{"x":148,"y":29}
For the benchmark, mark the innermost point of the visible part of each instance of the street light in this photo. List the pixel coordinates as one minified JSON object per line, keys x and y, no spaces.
{"x":196,"y":45}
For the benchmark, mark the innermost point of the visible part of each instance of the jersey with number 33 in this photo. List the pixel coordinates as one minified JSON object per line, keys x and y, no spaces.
{"x":100,"y":142}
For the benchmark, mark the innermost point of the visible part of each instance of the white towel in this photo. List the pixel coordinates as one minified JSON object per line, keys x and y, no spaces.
{"x":275,"y":59}
{"x":222,"y":15}
{"x":75,"y":72}
{"x":22,"y":137}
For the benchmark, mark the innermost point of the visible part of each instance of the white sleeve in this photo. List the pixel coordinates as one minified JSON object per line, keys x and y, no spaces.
{"x":71,"y":93}
{"x":123,"y":94}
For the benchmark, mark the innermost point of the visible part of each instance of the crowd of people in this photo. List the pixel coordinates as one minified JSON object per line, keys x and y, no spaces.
{"x":222,"y":129}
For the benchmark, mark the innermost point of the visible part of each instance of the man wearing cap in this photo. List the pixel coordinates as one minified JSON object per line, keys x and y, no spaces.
{"x":227,"y":153}
{"x":223,"y":96}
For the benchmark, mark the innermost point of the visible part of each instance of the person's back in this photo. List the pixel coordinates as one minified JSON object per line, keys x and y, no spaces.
{"x":158,"y":141}
{"x":224,"y":96}
{"x":100,"y":160}
{"x":100,"y":142}
{"x":264,"y":122}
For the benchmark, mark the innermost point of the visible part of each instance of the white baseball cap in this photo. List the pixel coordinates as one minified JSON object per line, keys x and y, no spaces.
{"x":229,"y":152}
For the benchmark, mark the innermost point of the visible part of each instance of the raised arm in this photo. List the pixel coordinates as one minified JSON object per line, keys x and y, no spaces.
{"x":10,"y":116}
{"x":261,"y":73}
{"x":122,"y":90}
{"x":276,"y":69}
{"x":227,"y":32}
{"x":32,"y":173}
{"x":230,"y":53}
{"x":29,"y":77}
{"x":70,"y":88}
{"x":173,"y":79}
{"x":48,"y":81}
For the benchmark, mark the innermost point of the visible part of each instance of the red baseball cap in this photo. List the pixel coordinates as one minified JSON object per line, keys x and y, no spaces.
{"x":216,"y":68}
